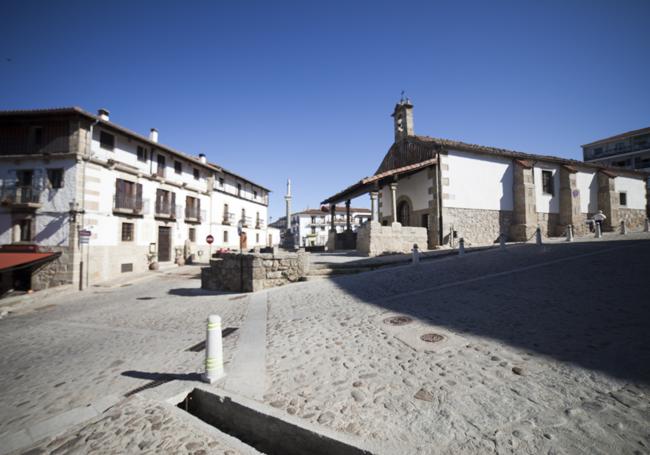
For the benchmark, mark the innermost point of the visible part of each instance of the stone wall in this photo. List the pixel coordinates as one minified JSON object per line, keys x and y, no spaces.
{"x":53,"y":273}
{"x":255,"y":271}
{"x":634,"y":218}
{"x":374,"y":239}
{"x":549,"y":223}
{"x":476,"y":226}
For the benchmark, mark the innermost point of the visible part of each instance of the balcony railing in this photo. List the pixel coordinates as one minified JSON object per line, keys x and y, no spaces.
{"x":259,"y":224}
{"x":246,"y":221}
{"x":166,"y":209}
{"x":128,"y":203}
{"x":12,"y":194}
{"x":228,"y":218}
{"x":192,"y":213}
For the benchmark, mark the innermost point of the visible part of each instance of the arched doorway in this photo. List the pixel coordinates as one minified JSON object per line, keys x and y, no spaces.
{"x":403,"y":213}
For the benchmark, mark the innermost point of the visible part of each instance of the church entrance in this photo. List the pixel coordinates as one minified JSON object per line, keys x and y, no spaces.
{"x":403,"y":213}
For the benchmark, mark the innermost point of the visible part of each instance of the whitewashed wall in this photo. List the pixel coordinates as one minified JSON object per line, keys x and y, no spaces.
{"x":587,"y":183}
{"x":416,"y":187}
{"x":51,"y":227}
{"x":545,"y":203}
{"x":478,"y":181}
{"x":635,"y":189}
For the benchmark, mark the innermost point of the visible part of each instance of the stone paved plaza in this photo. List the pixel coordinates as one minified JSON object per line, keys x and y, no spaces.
{"x":536,"y":350}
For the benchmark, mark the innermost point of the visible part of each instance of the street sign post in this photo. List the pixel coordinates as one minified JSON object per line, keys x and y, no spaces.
{"x":209,"y":239}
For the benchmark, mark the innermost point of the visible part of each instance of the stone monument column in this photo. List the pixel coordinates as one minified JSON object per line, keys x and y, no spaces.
{"x":348,"y":225}
{"x":288,"y":235}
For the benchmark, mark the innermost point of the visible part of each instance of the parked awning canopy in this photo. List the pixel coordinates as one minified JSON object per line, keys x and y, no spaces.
{"x":14,"y":260}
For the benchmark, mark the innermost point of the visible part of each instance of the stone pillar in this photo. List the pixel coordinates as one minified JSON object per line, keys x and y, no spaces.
{"x":393,"y":201}
{"x":348,"y":225}
{"x":524,"y":216}
{"x":373,"y":198}
{"x":332,"y":217}
{"x":570,"y":213}
{"x":608,"y":199}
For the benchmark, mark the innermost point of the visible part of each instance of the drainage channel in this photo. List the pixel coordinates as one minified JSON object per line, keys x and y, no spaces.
{"x":264,"y":432}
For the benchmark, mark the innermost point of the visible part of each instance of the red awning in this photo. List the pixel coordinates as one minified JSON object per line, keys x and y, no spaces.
{"x":12,"y":260}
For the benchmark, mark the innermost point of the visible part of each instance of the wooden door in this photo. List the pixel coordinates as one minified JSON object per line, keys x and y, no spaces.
{"x":164,"y":244}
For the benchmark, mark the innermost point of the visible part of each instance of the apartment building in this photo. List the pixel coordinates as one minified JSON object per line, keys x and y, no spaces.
{"x":630,"y":150}
{"x":71,"y":177}
{"x":311,"y":227}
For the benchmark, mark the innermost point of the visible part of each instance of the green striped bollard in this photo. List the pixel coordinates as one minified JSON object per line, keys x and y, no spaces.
{"x":213,"y":350}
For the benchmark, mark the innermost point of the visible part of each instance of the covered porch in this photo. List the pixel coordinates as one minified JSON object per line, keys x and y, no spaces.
{"x":393,"y":230}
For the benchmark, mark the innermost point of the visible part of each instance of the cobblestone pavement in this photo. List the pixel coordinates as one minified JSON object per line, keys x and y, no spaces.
{"x":135,"y":426}
{"x":544,"y":350}
{"x":104,"y":341}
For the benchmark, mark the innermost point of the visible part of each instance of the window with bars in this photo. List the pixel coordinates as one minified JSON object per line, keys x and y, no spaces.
{"x":547,"y":182}
{"x":127,"y":232}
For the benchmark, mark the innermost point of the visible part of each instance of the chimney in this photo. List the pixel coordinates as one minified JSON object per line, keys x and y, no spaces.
{"x":103,"y":114}
{"x":153,"y":135}
{"x":202,"y":158}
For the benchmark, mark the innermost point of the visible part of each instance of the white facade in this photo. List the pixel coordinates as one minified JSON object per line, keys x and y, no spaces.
{"x":477,"y":182}
{"x":311,"y":227}
{"x":143,"y":202}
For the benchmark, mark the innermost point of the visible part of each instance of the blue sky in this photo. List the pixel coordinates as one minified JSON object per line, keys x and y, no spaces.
{"x":305,"y":89}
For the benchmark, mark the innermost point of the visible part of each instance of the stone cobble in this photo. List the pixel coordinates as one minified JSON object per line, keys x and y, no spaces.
{"x":105,"y":341}
{"x":535,"y":363}
{"x":136,"y":425}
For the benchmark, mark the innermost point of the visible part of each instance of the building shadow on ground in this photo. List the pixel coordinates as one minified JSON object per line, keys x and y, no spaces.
{"x":195,"y":292}
{"x":592,"y":311}
{"x":166,"y":377}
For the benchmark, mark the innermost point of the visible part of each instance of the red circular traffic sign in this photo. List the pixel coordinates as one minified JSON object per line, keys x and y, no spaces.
{"x":209,"y":239}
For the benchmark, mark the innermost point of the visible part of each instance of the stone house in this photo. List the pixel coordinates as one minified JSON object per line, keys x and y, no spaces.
{"x":455,"y":189}
{"x":65,"y":171}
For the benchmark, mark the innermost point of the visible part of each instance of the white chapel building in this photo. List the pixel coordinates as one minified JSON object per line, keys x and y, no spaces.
{"x":454,"y":189}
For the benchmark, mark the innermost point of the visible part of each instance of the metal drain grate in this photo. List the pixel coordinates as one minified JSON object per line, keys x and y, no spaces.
{"x":198,"y":347}
{"x":432,"y":337}
{"x":149,"y":385}
{"x":398,"y":320}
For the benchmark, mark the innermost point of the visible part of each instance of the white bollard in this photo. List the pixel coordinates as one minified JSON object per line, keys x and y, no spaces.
{"x":538,"y":235}
{"x":599,"y":234}
{"x":623,"y":228}
{"x":502,"y":241}
{"x":461,"y":247}
{"x":416,"y":254}
{"x":213,"y":350}
{"x":569,"y":233}
{"x":647,"y":225}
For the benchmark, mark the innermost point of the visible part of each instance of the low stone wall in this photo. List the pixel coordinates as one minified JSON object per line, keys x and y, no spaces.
{"x":53,"y":273}
{"x":634,"y":218}
{"x":476,"y":226}
{"x":255,"y":271}
{"x":374,"y":239}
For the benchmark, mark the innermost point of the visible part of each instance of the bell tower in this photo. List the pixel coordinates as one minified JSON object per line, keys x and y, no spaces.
{"x":403,"y":119}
